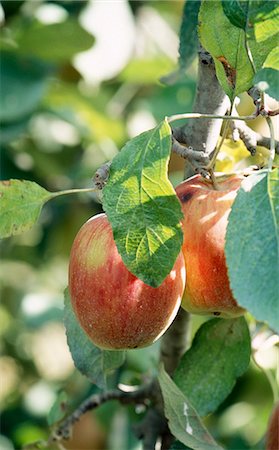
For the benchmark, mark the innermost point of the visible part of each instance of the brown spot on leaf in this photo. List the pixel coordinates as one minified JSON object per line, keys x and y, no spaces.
{"x":216,"y":313}
{"x":229,"y":71}
{"x":6,"y":183}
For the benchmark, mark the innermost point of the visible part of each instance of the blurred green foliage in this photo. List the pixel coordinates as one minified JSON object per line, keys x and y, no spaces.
{"x":59,"y":123}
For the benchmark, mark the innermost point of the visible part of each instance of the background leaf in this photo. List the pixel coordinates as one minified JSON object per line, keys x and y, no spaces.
{"x":142,"y":206}
{"x":252,"y":252}
{"x":207,"y":372}
{"x":21,"y":202}
{"x":58,"y":41}
{"x":23,"y":83}
{"x":188,"y":36}
{"x":90,"y":360}
{"x":188,"y":42}
{"x":58,"y":409}
{"x":183,"y":420}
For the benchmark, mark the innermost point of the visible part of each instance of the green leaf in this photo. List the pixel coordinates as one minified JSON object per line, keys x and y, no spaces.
{"x":188,"y":37}
{"x":57,"y":42}
{"x":260,"y":17}
{"x":267,"y":78}
{"x":59,"y":409}
{"x":145,"y":71}
{"x":264,"y":19}
{"x":267,"y":81}
{"x":273,"y":59}
{"x":177,"y":445}
{"x":23,"y":83}
{"x":21,"y":202}
{"x":273,"y":190}
{"x":252,"y":251}
{"x":184,"y":421}
{"x":236,"y":12}
{"x":91,"y":361}
{"x":207,"y":372}
{"x":227,"y":43}
{"x":188,"y":42}
{"x":142,"y":206}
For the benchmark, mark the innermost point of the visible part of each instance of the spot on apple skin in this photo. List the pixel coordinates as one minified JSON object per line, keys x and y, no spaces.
{"x":186,"y":197}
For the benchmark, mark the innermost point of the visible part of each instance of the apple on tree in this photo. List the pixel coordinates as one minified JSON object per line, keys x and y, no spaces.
{"x":206,"y":212}
{"x":115,"y":308}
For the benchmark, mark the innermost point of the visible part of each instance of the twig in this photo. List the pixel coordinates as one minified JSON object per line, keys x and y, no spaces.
{"x":251,"y":138}
{"x":207,"y":116}
{"x":196,"y":158}
{"x":138,"y":396}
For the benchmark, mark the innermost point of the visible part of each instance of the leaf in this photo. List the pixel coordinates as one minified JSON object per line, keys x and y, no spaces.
{"x":227,"y":43}
{"x":264,"y":19}
{"x":66,"y":101}
{"x":188,"y":37}
{"x":184,"y":421}
{"x":142,"y":206}
{"x":23,"y":83}
{"x":56,"y":42}
{"x":188,"y":42}
{"x":59,"y":409}
{"x":21,"y":202}
{"x":145,"y":70}
{"x":267,"y":78}
{"x":207,"y":372}
{"x":251,"y":248}
{"x":273,"y":59}
{"x":91,"y":361}
{"x":236,"y":12}
{"x":258,"y":16}
{"x":267,"y":81}
{"x":273,"y":190}
{"x":177,"y":445}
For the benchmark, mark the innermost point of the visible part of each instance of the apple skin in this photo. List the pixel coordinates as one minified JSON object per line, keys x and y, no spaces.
{"x":115,"y":308}
{"x":272,"y":435}
{"x":206,"y":212}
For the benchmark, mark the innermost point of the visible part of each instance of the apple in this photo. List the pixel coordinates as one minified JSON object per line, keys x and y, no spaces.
{"x":272,"y":435}
{"x":115,"y":308}
{"x":206,"y":212}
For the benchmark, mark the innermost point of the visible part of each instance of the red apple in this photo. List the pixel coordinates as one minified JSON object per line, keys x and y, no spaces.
{"x":204,"y":225}
{"x":115,"y":308}
{"x":272,"y":435}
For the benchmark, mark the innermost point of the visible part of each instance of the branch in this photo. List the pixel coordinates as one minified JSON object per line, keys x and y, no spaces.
{"x":197,"y":159}
{"x":175,"y":341}
{"x":210,"y":99}
{"x":250,"y":137}
{"x":138,"y":396}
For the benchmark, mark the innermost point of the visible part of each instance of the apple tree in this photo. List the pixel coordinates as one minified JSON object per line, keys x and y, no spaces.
{"x":220,"y":226}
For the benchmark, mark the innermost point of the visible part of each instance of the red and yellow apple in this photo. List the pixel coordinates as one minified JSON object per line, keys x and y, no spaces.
{"x":206,"y":212}
{"x":115,"y":308}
